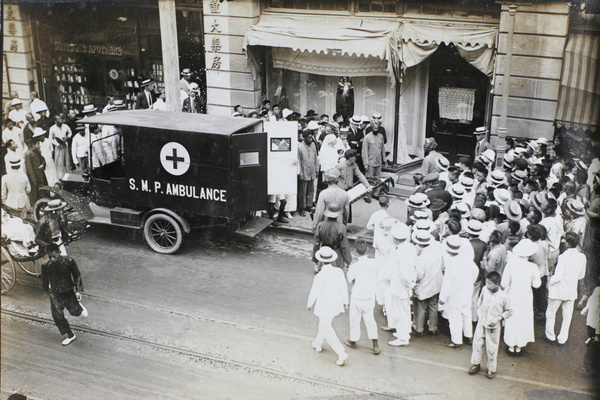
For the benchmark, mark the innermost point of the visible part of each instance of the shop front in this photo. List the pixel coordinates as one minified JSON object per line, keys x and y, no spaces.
{"x":88,"y":52}
{"x":426,"y":79}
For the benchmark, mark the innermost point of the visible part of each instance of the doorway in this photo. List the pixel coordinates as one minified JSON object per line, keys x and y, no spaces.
{"x":456,"y":102}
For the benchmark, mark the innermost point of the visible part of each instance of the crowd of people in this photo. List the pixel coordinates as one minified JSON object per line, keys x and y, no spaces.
{"x":493,"y":251}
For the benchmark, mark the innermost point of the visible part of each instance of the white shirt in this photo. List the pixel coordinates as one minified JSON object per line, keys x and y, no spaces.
{"x":429,"y":271}
{"x":19,"y":116}
{"x":364,"y":275}
{"x":569,"y":270}
{"x":63,"y":132}
{"x":15,"y":134}
{"x":80,"y":147}
{"x":554,"y":229}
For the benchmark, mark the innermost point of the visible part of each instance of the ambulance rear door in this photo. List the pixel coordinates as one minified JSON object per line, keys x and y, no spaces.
{"x":248,"y":172}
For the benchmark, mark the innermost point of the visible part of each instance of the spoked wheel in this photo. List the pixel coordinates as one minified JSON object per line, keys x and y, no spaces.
{"x":163,"y":233}
{"x":33,"y":267}
{"x":9,"y":273}
{"x":38,"y":208}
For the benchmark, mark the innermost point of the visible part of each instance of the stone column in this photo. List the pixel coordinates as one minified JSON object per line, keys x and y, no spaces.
{"x":229,"y":79}
{"x":170,"y":53}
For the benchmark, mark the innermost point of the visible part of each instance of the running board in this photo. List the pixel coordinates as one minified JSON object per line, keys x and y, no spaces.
{"x":254,"y":226}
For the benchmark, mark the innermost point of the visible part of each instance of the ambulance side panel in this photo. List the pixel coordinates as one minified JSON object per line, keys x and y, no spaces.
{"x":249,"y":172}
{"x":187,"y":172}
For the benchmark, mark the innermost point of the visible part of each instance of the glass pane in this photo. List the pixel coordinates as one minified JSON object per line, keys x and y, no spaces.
{"x":341,"y":5}
{"x":275,"y":3}
{"x":314,"y":5}
{"x":389,"y":6}
{"x":328,"y":5}
{"x":249,"y":158}
{"x":364,"y":5}
{"x":301,"y":4}
{"x":288,"y":3}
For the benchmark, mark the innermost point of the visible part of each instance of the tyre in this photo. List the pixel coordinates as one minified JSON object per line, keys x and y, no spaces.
{"x":163,"y":234}
{"x":33,"y":266}
{"x":9,"y":274}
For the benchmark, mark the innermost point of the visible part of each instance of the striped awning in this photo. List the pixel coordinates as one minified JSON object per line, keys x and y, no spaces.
{"x":579,"y":98}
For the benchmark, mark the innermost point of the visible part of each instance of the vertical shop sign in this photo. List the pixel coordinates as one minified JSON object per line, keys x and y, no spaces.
{"x":215,"y":6}
{"x":215,"y":45}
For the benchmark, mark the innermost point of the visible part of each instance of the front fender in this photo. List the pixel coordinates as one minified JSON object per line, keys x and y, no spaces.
{"x":185,"y":225}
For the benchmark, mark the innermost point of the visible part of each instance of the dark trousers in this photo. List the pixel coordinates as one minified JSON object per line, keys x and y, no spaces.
{"x":58,"y":303}
{"x":540,"y":297}
{"x":305,"y":193}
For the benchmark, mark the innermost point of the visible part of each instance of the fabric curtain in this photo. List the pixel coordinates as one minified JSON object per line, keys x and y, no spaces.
{"x":374,"y":94}
{"x":476,"y":45}
{"x":413,"y":112}
{"x":579,"y":96}
{"x":330,"y":65}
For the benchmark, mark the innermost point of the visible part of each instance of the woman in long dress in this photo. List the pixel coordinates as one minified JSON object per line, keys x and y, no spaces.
{"x":518,"y":279}
{"x":47,"y":148}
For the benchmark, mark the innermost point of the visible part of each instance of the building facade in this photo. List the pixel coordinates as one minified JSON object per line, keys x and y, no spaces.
{"x":432,"y":69}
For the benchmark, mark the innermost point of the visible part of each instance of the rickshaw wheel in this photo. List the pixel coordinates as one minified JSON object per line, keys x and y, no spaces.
{"x":163,"y":234}
{"x":33,"y":266}
{"x":9,"y":273}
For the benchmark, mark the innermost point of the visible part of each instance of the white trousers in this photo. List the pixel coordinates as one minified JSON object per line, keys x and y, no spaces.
{"x":566,"y":307}
{"x":362,"y":309}
{"x":398,"y":313}
{"x":460,"y":323}
{"x":326,"y":332}
{"x":490,"y":338}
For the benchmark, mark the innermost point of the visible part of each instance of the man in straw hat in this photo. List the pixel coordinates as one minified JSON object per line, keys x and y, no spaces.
{"x":482,"y":144}
{"x":35,"y":164}
{"x":457,"y":288}
{"x":329,"y":295}
{"x":52,"y":226}
{"x":61,"y":278}
{"x":576,"y":221}
{"x":192,"y":103}
{"x":80,"y":148}
{"x":145,"y":98}
{"x":562,"y":288}
{"x":403,"y":275}
{"x":428,"y":281}
{"x":17,"y":114}
{"x":493,"y":307}
{"x":518,"y":279}
{"x":333,"y":234}
{"x":363,"y":273}
{"x":15,"y":186}
{"x":332,"y":193}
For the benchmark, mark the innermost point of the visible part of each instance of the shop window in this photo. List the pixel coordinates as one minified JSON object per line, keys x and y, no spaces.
{"x":483,"y":9}
{"x":378,"y":6}
{"x":325,"y":5}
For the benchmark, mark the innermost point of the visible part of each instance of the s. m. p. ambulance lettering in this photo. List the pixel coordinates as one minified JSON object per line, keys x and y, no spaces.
{"x":179,"y":189}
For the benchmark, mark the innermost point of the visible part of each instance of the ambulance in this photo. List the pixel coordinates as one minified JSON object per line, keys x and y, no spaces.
{"x":166,"y":173}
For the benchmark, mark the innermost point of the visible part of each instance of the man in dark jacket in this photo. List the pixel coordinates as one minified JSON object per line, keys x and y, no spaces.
{"x":333,"y":234}
{"x":62,"y":280}
{"x":35,"y":166}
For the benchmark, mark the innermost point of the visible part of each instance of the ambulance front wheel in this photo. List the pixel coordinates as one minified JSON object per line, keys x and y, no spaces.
{"x":163,"y":234}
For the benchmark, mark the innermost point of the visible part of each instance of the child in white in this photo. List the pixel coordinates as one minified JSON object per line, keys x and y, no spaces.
{"x":493,"y":307}
{"x":362,"y":301}
{"x":329,"y":295}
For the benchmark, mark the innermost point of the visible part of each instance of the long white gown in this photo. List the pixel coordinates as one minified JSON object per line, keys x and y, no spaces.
{"x":46,"y":148}
{"x":518,"y":279}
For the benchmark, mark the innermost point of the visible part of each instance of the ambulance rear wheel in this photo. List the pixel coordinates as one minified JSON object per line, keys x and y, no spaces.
{"x":163,"y":234}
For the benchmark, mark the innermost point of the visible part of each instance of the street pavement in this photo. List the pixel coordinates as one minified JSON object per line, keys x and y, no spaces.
{"x":226,"y":319}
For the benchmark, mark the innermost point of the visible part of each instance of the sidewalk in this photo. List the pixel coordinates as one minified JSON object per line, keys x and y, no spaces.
{"x":361,"y":212}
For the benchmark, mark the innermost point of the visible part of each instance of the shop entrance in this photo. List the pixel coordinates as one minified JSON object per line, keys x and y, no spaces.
{"x":456,"y":102}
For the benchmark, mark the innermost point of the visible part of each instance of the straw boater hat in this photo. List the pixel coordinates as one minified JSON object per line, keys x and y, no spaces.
{"x":576,"y":207}
{"x":488,"y":156}
{"x":457,"y":191}
{"x":543,"y":141}
{"x":14,"y":161}
{"x":286,"y":112}
{"x":16,"y":102}
{"x":356,"y":119}
{"x":442,"y":162}
{"x":497,"y":178}
{"x":421,"y":237}
{"x":520,"y":175}
{"x":400,"y":231}
{"x":420,"y":214}
{"x":452,"y":244}
{"x":146,"y":82}
{"x":55,"y":205}
{"x":464,"y":209}
{"x":418,"y":200}
{"x":117,"y":105}
{"x":525,"y":248}
{"x":38,"y":132}
{"x":88,"y":108}
{"x":326,"y":255}
{"x":467,"y":182}
{"x":474,"y":227}
{"x":333,"y":210}
{"x":478,"y":214}
{"x":42,"y":109}
{"x":538,"y":201}
{"x":501,"y":195}
{"x":513,"y":212}
{"x":481,"y":130}
{"x":424,"y":225}
{"x":508,"y":160}
{"x":186,"y":72}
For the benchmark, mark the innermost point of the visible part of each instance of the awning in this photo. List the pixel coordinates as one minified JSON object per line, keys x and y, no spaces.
{"x":477,"y":45}
{"x":579,"y":96}
{"x":336,"y":41}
